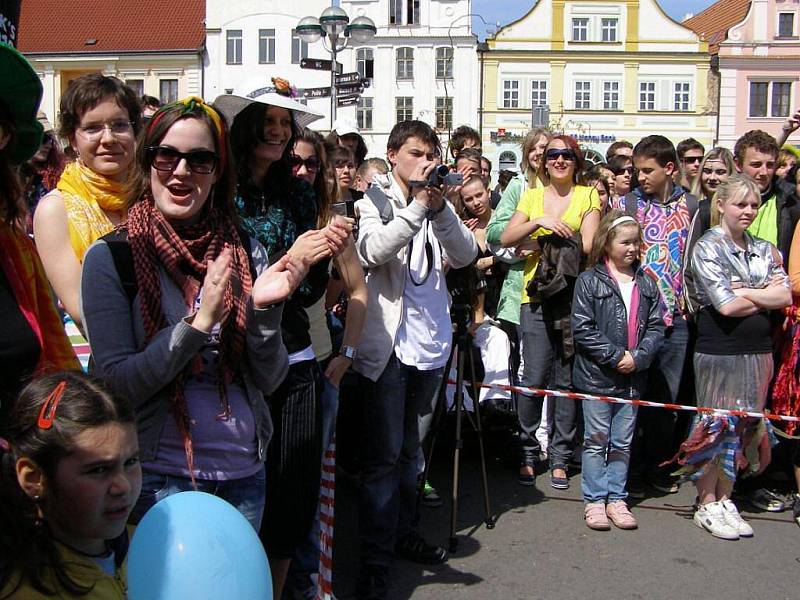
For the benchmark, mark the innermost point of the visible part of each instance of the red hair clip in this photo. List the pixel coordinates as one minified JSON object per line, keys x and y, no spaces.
{"x":48,"y":412}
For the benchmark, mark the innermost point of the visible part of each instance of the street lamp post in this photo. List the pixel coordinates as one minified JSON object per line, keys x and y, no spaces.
{"x":334,"y":27}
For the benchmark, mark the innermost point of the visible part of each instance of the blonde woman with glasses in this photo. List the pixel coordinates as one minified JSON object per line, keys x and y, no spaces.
{"x":100,"y":118}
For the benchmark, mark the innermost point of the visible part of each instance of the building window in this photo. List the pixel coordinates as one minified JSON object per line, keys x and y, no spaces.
{"x":412,"y":12}
{"x":168,"y":90}
{"x":444,"y":63}
{"x":444,"y":113}
{"x":137,"y":85}
{"x":647,"y":95}
{"x":396,"y":16}
{"x":580,"y":30}
{"x":611,"y":95}
{"x":583,"y":95}
{"x":609,"y":28}
{"x":538,"y":93}
{"x":299,"y":48}
{"x":786,"y":25}
{"x":233,"y":53}
{"x":682,"y":96}
{"x":364,"y":62}
{"x":405,"y":108}
{"x":511,"y":94}
{"x":781,"y":98}
{"x":758,"y":98}
{"x":266,"y":46}
{"x":364,"y":113}
{"x":405,"y":63}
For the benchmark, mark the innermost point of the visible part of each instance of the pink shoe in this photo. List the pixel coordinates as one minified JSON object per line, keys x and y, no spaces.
{"x":620,"y":515}
{"x":595,"y":515}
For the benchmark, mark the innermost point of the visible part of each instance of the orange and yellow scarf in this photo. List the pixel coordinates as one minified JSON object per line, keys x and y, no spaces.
{"x":88,"y":198}
{"x":25,"y":274}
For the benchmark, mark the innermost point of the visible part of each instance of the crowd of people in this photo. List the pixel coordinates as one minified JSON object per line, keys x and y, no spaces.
{"x":232,"y":270}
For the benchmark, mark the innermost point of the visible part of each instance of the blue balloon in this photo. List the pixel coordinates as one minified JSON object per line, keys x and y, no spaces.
{"x":194,"y":545}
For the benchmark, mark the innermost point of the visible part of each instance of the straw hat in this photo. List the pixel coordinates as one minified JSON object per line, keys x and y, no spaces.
{"x":279,"y":94}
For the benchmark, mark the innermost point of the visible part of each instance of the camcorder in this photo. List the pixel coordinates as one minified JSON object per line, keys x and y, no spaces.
{"x":439,"y":177}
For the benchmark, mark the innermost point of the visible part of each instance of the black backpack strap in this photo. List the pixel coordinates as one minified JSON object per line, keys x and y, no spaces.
{"x":122,"y":255}
{"x":248,"y":248}
{"x":381,"y":202}
{"x":692,"y":204}
{"x":631,"y":204}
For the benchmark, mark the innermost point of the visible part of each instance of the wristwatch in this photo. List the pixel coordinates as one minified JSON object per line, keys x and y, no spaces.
{"x":348,"y":352}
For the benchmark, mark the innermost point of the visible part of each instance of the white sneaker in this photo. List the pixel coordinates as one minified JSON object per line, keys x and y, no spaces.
{"x":735,"y":520}
{"x":711,"y":517}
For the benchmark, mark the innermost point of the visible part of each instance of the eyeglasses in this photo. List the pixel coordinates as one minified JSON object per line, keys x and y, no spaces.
{"x":311,"y":163}
{"x":691,"y":159}
{"x":555,"y":153}
{"x":118,"y":128}
{"x":163,"y":158}
{"x":624,"y":171}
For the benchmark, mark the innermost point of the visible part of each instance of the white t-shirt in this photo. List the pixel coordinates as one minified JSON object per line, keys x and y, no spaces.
{"x":425,"y":334}
{"x":626,"y":289}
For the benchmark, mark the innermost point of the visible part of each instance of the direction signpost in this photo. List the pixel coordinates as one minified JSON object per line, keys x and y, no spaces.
{"x":346,"y":78}
{"x":320,"y":92}
{"x":347,"y":100}
{"x":319,"y":64}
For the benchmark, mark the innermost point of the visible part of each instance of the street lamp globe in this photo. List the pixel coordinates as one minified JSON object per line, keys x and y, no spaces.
{"x":334,"y":20}
{"x":362,"y":30}
{"x":309,"y":29}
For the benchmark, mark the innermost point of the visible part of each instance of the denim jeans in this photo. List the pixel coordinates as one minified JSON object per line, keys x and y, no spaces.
{"x":246,"y":495}
{"x":304,"y":569}
{"x":654,"y":441}
{"x":608,"y":431}
{"x":387,"y":500}
{"x":545,"y":366}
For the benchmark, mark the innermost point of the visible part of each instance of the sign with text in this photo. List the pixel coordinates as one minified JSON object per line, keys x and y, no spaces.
{"x":320,"y":92}
{"x":347,"y":101}
{"x":347,"y":90}
{"x":319,"y":64}
{"x":347,"y":78}
{"x":9,"y":21}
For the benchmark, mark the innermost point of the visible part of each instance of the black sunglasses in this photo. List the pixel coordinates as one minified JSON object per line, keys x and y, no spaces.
{"x":163,"y":158}
{"x":554,"y":153}
{"x":692,"y":159}
{"x":623,"y":170}
{"x":311,"y":163}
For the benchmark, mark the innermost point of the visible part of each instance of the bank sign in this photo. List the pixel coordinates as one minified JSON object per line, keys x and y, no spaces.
{"x":502,"y":135}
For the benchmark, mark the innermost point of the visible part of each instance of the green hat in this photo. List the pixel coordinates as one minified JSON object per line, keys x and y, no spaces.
{"x":21,"y":93}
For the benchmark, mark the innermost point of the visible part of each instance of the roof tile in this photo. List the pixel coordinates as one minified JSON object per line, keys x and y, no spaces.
{"x":64,"y":26}
{"x":713,"y":23}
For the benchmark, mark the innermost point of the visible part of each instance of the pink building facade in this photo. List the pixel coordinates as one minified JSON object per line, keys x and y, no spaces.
{"x":759,"y":67}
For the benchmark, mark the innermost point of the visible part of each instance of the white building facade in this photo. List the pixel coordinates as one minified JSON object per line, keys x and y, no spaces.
{"x":423,"y":62}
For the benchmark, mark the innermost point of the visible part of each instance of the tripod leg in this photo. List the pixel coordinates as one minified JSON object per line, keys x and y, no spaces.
{"x":458,"y":445}
{"x":489,"y":518}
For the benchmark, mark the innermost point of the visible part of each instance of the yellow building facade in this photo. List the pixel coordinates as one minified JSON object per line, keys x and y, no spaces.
{"x":607,"y":70}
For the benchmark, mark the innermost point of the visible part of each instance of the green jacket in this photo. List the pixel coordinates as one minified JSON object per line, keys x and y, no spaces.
{"x":511,"y":292}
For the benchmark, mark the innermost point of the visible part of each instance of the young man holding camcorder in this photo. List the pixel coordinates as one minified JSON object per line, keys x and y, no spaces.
{"x":406,"y":233}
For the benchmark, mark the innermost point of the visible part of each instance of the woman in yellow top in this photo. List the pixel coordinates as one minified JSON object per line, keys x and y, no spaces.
{"x":100,"y":117}
{"x":561,"y":208}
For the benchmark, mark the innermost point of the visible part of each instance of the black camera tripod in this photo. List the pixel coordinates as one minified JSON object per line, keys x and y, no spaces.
{"x":462,"y":353}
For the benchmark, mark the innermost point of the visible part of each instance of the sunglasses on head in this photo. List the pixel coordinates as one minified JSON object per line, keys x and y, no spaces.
{"x":163,"y":158}
{"x":554,"y":153}
{"x":311,"y":163}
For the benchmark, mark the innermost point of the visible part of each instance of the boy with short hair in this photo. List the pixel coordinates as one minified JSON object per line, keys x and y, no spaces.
{"x":664,"y":212}
{"x":405,"y":344}
{"x":620,"y":147}
{"x":755,"y":154}
{"x":464,"y":136}
{"x":690,"y":155}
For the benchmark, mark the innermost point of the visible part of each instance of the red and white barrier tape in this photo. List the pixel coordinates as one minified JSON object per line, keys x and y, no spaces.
{"x":612,"y":400}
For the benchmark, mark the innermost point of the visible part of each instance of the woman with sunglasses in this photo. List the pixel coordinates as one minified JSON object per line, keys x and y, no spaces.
{"x":308,"y":162}
{"x":100,"y":117}
{"x":183,"y":314}
{"x":622,"y":168}
{"x":281,"y":212}
{"x":561,"y":208}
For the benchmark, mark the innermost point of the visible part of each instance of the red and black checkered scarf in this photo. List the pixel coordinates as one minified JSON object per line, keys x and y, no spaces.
{"x":183,"y":252}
